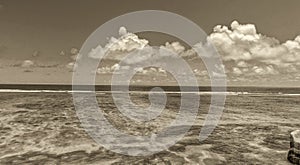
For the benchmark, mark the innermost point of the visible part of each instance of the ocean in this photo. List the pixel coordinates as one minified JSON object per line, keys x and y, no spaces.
{"x":39,"y":126}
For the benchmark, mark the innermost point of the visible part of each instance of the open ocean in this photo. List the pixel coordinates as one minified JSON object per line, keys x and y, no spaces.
{"x":39,"y":126}
{"x":68,"y":88}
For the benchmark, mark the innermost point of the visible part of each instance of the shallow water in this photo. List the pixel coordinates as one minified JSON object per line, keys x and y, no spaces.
{"x":42,"y":128}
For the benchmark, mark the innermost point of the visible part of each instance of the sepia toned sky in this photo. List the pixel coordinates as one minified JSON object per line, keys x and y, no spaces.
{"x":44,"y":32}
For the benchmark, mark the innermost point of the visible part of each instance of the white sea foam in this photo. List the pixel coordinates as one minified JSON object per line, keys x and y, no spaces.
{"x":293,"y":94}
{"x":31,"y":91}
{"x":229,"y":93}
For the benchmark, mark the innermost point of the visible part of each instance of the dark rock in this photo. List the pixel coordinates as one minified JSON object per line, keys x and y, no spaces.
{"x":294,"y":152}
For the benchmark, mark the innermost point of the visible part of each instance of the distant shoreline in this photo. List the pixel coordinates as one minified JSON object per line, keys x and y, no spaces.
{"x":65,"y":87}
{"x":97,"y":87}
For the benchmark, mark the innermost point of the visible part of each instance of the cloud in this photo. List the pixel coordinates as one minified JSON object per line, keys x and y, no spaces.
{"x":242,"y":64}
{"x":237,"y":71}
{"x":129,"y":43}
{"x":139,"y":70}
{"x":266,"y":70}
{"x":32,"y":64}
{"x":151,"y":70}
{"x":243,"y":43}
{"x":111,"y":69}
{"x":104,"y":70}
{"x":122,"y":31}
{"x":74,"y":51}
{"x":175,"y":47}
{"x":138,"y":56}
{"x":246,"y":53}
{"x":248,"y":30}
{"x":97,"y":52}
{"x":27,"y":64}
{"x":62,"y":53}
{"x":160,"y":70}
{"x":71,"y":66}
{"x":115,"y":67}
{"x":200,"y":73}
{"x":116,"y":49}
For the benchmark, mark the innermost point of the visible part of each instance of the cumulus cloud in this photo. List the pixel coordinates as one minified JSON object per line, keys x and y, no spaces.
{"x":244,"y":51}
{"x":151,"y":71}
{"x":129,"y":43}
{"x":62,"y":53}
{"x":160,"y":70}
{"x":97,"y":52}
{"x":247,"y":53}
{"x":116,"y":49}
{"x":115,"y":67}
{"x":264,"y":70}
{"x":200,"y":73}
{"x":74,"y":51}
{"x":237,"y":71}
{"x":33,"y":64}
{"x":104,"y":70}
{"x":138,"y":70}
{"x":242,"y":43}
{"x":71,"y":66}
{"x":175,"y":47}
{"x":242,"y":64}
{"x":122,"y":31}
{"x":110,"y":69}
{"x":27,"y":64}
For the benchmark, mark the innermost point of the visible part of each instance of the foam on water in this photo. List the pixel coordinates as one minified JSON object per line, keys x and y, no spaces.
{"x":229,"y":93}
{"x":31,"y":91}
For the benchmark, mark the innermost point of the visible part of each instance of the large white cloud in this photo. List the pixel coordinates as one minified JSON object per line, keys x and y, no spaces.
{"x":116,"y":49}
{"x":129,"y":43}
{"x":175,"y":47}
{"x":245,"y":52}
{"x":243,"y":43}
{"x":248,"y":53}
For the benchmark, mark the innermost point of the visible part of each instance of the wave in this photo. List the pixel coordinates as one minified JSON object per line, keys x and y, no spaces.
{"x":229,"y":93}
{"x":32,"y":91}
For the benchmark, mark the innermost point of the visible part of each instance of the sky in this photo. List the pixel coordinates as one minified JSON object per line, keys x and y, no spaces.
{"x":40,"y":38}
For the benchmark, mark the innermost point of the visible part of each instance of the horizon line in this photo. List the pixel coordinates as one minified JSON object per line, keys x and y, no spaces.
{"x":140,"y":85}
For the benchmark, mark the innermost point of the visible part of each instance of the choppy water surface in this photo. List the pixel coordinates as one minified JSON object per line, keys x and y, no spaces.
{"x":42,"y":128}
